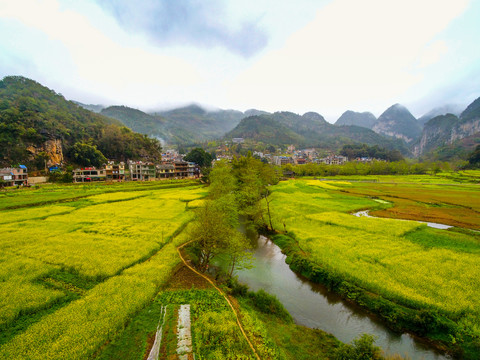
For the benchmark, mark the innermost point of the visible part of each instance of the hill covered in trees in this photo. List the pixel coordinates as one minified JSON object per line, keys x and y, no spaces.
{"x":39,"y":126}
{"x":364,"y":119}
{"x":311,"y":129}
{"x":186,"y":125}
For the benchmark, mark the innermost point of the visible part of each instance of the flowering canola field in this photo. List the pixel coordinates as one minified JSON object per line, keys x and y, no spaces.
{"x":73,"y":273}
{"x":404,"y":261}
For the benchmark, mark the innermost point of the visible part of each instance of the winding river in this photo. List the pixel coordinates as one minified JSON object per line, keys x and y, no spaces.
{"x":312,"y":305}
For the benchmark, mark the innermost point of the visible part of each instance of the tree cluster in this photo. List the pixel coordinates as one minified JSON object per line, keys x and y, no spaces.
{"x":474,"y":158}
{"x":235,"y":192}
{"x":370,"y":168}
{"x":353,"y":151}
{"x":199,"y":157}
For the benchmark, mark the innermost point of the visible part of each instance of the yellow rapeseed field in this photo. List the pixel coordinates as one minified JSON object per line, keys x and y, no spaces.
{"x":402,"y":260}
{"x":120,"y":243}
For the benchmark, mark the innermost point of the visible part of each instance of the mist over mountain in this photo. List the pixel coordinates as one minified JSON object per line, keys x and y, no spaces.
{"x":137,"y":120}
{"x":364,"y":119}
{"x":254,"y":112}
{"x":95,"y":108}
{"x":46,"y":124}
{"x":451,"y":134}
{"x":186,"y":125}
{"x":398,"y":122}
{"x":441,"y":110}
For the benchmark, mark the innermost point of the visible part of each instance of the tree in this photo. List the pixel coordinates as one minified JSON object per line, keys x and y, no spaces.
{"x":87,"y":155}
{"x":474,"y":158}
{"x":237,"y":254}
{"x":265,"y":195}
{"x":222,"y":180}
{"x":199,"y":157}
{"x":211,"y":232}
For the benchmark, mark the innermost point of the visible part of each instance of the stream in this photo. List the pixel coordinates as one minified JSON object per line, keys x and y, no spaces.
{"x":314,"y":306}
{"x":366,"y":213}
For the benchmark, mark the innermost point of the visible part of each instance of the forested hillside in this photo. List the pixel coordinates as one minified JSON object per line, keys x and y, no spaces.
{"x":137,"y":120}
{"x":364,"y":119}
{"x":311,"y":129}
{"x":38,"y":125}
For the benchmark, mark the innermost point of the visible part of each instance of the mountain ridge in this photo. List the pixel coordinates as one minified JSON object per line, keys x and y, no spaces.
{"x":398,"y":122}
{"x":363,"y":119}
{"x":445,"y":130}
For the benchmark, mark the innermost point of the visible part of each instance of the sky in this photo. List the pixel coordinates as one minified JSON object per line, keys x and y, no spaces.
{"x":326,"y":56}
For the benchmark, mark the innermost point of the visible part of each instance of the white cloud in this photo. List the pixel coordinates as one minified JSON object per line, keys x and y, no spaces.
{"x":432,"y":53}
{"x":100,"y":63}
{"x":355,"y":53}
{"x":362,"y":55}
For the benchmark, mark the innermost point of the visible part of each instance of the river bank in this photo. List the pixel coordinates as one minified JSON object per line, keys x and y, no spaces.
{"x":429,"y":327}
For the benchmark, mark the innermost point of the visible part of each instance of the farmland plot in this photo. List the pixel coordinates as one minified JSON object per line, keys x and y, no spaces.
{"x":81,"y":269}
{"x":403,"y":261}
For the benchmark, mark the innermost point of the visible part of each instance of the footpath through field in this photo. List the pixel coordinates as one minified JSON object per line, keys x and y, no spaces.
{"x":221,"y":293}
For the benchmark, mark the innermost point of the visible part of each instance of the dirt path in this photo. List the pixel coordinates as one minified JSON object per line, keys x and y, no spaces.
{"x":221,"y":292}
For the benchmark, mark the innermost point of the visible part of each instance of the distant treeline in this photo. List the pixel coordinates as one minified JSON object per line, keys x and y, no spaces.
{"x":353,"y":151}
{"x":370,"y":168}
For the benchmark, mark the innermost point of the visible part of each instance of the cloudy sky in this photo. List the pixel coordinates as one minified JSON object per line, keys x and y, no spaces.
{"x":305,"y":55}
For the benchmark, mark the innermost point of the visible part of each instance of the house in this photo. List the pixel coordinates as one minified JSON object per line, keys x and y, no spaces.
{"x":334,"y":160}
{"x":181,"y":169}
{"x":14,"y":176}
{"x":193,"y":170}
{"x":166,"y":171}
{"x":89,"y":174}
{"x":177,"y":170}
{"x":144,"y":171}
{"x":310,"y":153}
{"x":282,"y":160}
{"x":115,"y":171}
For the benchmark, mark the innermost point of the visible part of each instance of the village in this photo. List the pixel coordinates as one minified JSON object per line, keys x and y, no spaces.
{"x":290,"y":155}
{"x":112,"y":171}
{"x":172,"y":166}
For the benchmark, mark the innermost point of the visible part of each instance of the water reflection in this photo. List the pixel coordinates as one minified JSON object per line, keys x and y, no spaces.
{"x":314,"y":306}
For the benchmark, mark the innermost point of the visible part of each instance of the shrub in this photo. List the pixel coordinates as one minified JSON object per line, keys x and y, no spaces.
{"x":362,"y":348}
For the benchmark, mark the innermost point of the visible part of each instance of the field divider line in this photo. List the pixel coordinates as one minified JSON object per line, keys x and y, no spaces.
{"x":221,"y":293}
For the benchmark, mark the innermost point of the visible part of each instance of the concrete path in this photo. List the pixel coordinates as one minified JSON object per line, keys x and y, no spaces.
{"x":184,"y":332}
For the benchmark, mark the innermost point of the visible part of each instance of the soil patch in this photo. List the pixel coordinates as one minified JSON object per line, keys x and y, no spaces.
{"x":184,"y":278}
